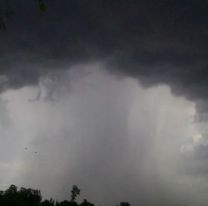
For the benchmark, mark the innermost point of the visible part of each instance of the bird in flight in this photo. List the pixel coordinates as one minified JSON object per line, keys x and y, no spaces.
{"x":35,"y":152}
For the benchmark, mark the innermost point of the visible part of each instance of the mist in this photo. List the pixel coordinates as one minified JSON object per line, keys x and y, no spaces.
{"x":114,"y":138}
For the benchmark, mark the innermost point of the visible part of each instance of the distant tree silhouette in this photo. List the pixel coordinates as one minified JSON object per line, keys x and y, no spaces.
{"x":74,"y":193}
{"x":86,"y":203}
{"x":23,"y":197}
{"x":30,"y":197}
{"x":124,"y":204}
{"x":64,"y":203}
{"x":42,"y":5}
{"x":48,"y":203}
{"x":11,"y":190}
{"x":6,"y":12}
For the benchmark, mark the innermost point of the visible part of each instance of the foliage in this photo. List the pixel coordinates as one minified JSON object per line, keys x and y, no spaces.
{"x":74,"y":192}
{"x":42,"y":5}
{"x":31,"y":197}
{"x":7,"y":13}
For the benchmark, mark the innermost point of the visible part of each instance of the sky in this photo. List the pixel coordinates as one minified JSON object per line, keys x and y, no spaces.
{"x":108,"y":95}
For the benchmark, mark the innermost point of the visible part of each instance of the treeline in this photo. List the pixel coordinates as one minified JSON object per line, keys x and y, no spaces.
{"x":31,"y":197}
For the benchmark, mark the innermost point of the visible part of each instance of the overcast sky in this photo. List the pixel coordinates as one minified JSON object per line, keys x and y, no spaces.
{"x":109,"y":95}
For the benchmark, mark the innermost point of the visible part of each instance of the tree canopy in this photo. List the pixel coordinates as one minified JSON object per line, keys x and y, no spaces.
{"x":6,"y":12}
{"x":32,"y":197}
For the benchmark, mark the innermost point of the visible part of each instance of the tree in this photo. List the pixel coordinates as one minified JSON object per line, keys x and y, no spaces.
{"x":124,"y":204}
{"x":47,"y":203}
{"x":86,"y":203}
{"x":6,"y":13}
{"x":74,"y":193}
{"x":31,"y":197}
{"x":42,"y":5}
{"x":11,"y":190}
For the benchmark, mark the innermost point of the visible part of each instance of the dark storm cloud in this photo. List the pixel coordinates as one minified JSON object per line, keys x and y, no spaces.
{"x":155,"y":41}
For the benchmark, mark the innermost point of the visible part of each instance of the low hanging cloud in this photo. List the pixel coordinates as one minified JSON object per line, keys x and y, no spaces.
{"x":114,"y":138}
